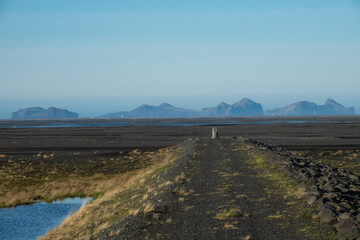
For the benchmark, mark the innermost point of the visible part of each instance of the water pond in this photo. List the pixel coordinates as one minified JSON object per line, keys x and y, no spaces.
{"x":32,"y":221}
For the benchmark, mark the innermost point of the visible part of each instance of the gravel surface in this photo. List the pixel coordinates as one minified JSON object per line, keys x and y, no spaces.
{"x":215,"y":194}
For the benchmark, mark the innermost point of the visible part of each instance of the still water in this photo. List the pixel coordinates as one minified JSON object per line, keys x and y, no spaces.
{"x":32,"y":221}
{"x":154,"y":124}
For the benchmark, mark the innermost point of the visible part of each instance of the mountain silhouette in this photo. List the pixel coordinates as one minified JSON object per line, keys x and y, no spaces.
{"x":41,"y":113}
{"x":244,"y":107}
{"x":148,"y":111}
{"x":305,"y":108}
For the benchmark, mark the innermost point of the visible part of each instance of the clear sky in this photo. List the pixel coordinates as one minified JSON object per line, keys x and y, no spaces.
{"x":96,"y":57}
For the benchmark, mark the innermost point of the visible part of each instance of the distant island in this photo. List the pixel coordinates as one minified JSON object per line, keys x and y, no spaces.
{"x":245,"y":107}
{"x":41,"y":113}
{"x":305,"y":108}
{"x":147,"y":111}
{"x":242,"y":108}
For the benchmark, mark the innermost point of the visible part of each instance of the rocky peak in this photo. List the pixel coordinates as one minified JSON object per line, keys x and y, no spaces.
{"x":330,"y":101}
{"x":306,"y":108}
{"x":166,"y":105}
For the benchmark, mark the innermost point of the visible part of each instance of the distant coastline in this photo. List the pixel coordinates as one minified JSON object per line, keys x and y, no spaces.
{"x":175,"y":122}
{"x":243,"y":108}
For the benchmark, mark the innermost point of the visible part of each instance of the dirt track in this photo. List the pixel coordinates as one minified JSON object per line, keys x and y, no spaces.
{"x":222,"y":197}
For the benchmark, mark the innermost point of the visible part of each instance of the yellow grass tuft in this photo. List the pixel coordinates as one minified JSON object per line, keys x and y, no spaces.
{"x":134,"y":211}
{"x":149,"y":207}
{"x":228,"y":214}
{"x":230,"y":226}
{"x":276,"y":216}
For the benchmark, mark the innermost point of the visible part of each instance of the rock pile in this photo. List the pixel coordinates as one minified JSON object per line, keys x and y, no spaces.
{"x":335,"y":191}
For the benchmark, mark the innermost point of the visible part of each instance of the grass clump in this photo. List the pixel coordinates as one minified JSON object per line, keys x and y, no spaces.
{"x":281,"y":185}
{"x":39,"y":178}
{"x":228,"y":214}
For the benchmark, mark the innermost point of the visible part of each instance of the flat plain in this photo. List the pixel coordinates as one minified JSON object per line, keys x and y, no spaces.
{"x":48,"y":163}
{"x":68,"y":156}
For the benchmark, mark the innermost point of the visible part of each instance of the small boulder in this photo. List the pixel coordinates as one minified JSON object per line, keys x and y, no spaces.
{"x":311,"y":198}
{"x":327,"y":214}
{"x":347,"y":229}
{"x":344,"y":215}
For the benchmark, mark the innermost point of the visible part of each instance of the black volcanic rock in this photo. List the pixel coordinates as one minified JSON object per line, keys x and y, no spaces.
{"x":147,"y":111}
{"x":244,"y":107}
{"x":41,"y":113}
{"x":305,"y":108}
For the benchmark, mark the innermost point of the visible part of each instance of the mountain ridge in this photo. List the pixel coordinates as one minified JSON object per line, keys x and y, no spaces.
{"x":306,"y":108}
{"x":244,"y":107}
{"x":41,"y":113}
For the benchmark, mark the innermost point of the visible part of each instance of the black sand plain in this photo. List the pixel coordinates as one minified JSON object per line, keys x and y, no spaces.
{"x":292,"y":133}
{"x":333,"y":140}
{"x":330,"y":139}
{"x":27,"y":149}
{"x":313,"y":136}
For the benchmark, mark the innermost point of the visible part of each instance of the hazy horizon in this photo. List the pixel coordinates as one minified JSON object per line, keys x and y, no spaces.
{"x":97,"y":57}
{"x":89,"y":108}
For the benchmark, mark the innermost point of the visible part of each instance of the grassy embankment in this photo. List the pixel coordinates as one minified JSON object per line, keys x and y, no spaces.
{"x":130,"y":198}
{"x":48,"y":177}
{"x":280,"y":185}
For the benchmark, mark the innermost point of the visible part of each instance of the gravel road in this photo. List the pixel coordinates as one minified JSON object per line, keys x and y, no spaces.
{"x":220,"y":197}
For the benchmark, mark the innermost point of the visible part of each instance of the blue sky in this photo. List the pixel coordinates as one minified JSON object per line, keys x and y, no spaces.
{"x":96,"y":57}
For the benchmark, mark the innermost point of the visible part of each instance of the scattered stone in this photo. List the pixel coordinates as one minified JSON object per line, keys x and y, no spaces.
{"x":344,"y":216}
{"x":311,"y":198}
{"x":347,"y":229}
{"x":345,"y":205}
{"x":327,"y":214}
{"x":336,"y":191}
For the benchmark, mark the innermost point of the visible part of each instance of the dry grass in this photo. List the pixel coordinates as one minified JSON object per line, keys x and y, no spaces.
{"x":46,"y":177}
{"x":228,"y":214}
{"x":230,"y":226}
{"x":149,"y":207}
{"x":128,"y":197}
{"x":276,"y":216}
